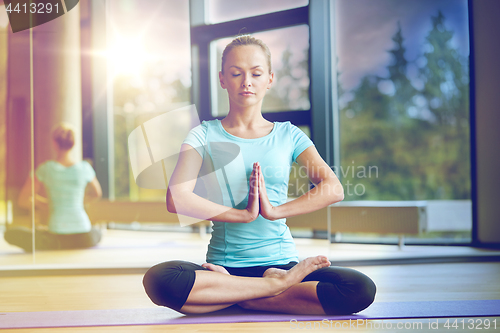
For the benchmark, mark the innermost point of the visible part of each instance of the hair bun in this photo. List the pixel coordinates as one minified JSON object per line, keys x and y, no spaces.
{"x":64,"y":136}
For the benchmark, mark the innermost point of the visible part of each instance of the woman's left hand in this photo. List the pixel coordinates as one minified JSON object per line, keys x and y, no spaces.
{"x":267,"y":210}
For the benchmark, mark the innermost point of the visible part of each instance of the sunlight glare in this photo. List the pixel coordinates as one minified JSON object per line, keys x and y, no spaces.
{"x":126,"y":56}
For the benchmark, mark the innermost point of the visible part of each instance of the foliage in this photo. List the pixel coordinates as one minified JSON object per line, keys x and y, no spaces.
{"x":418,"y":139}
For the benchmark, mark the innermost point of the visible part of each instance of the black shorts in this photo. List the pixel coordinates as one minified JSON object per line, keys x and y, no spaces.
{"x":340,"y":290}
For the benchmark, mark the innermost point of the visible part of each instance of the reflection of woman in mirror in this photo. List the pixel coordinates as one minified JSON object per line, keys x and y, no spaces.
{"x":67,"y":183}
{"x":251,"y":258}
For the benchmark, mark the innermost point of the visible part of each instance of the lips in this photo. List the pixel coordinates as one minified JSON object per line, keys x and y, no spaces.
{"x":247,"y":93}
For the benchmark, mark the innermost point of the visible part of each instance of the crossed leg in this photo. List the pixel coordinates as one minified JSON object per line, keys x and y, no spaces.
{"x":216,"y":289}
{"x":309,"y":287}
{"x":300,"y":298}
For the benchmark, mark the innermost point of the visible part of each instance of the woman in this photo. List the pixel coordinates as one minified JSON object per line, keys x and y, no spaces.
{"x":251,"y":258}
{"x":66,"y":182}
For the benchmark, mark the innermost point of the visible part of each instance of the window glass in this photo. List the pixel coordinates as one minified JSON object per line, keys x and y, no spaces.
{"x":228,"y":10}
{"x":289,"y":61}
{"x":403,"y":81}
{"x":150,"y":62}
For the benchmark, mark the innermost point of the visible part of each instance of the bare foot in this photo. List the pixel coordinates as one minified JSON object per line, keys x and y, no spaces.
{"x":285,"y":279}
{"x":215,"y":268}
{"x":274,"y":273}
{"x":303,"y":268}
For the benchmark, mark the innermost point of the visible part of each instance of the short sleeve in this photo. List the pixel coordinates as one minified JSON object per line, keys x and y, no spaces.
{"x":196,"y":138}
{"x":300,"y":141}
{"x":41,"y":172}
{"x":88,"y":171}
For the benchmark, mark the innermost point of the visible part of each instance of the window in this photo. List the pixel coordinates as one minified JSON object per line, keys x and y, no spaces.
{"x":150,"y":63}
{"x":208,"y":41}
{"x":290,"y":64}
{"x":403,"y":81}
{"x":222,"y":11}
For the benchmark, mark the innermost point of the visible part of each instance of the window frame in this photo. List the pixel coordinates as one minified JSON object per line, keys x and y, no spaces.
{"x":203,"y":34}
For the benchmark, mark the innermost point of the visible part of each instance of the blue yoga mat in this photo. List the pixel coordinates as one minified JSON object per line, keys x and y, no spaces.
{"x":165,"y":316}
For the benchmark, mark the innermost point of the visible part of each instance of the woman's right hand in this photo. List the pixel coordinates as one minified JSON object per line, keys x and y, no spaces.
{"x":253,"y":196}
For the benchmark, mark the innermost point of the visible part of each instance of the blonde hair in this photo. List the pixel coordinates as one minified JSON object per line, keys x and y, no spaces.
{"x":63,"y":135}
{"x":243,"y":41}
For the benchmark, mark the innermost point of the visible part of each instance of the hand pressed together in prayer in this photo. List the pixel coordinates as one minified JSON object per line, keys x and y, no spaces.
{"x":258,"y":201}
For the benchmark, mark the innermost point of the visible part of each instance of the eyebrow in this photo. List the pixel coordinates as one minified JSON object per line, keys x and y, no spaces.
{"x":241,"y":68}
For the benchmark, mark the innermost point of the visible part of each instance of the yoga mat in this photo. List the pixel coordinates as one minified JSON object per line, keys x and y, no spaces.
{"x":234,"y":314}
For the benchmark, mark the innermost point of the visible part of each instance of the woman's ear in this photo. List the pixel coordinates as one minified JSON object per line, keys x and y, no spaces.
{"x":221,"y":80}
{"x":271,"y":80}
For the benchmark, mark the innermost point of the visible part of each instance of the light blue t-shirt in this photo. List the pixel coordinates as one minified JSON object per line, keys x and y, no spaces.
{"x":66,"y":190}
{"x":261,"y":242}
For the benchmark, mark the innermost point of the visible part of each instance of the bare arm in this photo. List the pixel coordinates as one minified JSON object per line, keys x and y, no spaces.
{"x":93,"y":191}
{"x":182,"y":200}
{"x":327,"y":191}
{"x":24,"y":199}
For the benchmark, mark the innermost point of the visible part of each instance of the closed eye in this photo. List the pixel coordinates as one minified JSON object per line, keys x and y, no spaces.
{"x":236,"y":75}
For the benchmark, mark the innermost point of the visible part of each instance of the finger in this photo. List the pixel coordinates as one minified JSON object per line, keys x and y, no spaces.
{"x":261,"y":178}
{"x":253,"y":175}
{"x":257,"y":179}
{"x":254,"y":179}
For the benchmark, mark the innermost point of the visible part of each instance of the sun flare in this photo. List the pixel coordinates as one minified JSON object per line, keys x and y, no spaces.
{"x":126,"y":56}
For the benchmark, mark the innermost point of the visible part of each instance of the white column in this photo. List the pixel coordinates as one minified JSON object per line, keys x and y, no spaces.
{"x":57,"y":81}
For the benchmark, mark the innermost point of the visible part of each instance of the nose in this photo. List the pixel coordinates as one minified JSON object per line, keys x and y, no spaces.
{"x":246,"y":81}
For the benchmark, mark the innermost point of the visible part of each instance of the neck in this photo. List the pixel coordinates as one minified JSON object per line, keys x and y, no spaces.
{"x":247,"y":117}
{"x":64,"y":156}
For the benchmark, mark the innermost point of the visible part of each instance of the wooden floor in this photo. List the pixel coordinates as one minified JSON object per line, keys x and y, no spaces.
{"x":422,"y":282}
{"x":452,"y":281}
